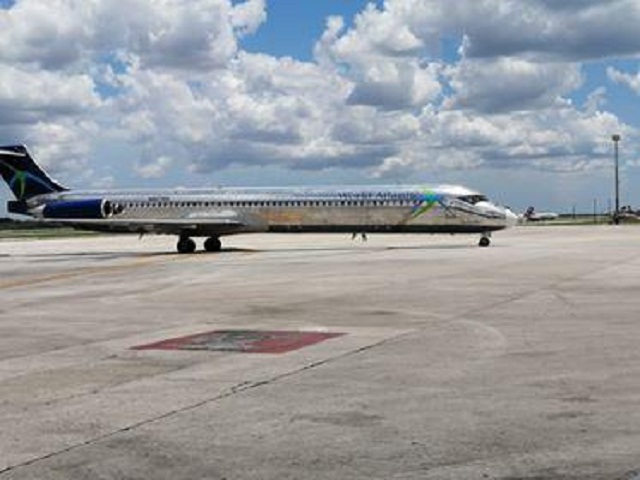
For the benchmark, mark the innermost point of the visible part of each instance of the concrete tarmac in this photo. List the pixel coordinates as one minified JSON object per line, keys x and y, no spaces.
{"x":518,"y":361}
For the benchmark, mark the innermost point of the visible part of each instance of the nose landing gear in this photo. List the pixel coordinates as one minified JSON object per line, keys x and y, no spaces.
{"x":485,"y":240}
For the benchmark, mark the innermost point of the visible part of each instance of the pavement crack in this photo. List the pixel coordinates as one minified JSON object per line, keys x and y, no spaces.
{"x":551,"y":286}
{"x":234,"y":390}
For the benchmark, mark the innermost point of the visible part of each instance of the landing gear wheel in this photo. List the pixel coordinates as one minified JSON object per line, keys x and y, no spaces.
{"x":484,"y":242}
{"x":212,"y":244}
{"x":186,"y":245}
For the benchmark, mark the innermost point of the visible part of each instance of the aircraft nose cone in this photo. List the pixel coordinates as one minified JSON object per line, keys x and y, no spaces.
{"x":511,"y":218}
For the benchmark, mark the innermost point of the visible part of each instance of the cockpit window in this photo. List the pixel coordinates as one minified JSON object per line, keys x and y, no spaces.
{"x":473,"y":199}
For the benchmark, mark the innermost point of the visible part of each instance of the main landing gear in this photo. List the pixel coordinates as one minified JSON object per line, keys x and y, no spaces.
{"x":212,"y":244}
{"x":485,"y":240}
{"x":187,"y":245}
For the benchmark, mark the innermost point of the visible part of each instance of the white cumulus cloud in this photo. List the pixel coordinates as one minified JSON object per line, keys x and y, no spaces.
{"x":407,"y":87}
{"x":629,"y":80}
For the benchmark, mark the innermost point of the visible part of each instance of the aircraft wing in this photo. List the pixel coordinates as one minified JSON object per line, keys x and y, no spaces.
{"x":193,"y":226}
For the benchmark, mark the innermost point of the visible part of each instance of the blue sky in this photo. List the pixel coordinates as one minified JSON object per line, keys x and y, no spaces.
{"x":516,"y":98}
{"x":293,"y":26}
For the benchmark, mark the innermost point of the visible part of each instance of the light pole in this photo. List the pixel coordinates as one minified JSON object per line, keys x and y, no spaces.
{"x":616,"y":139}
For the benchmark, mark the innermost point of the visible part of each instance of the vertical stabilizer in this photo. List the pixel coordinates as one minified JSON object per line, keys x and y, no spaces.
{"x":23,"y":175}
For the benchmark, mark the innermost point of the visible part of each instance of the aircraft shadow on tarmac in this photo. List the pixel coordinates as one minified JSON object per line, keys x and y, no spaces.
{"x":111,"y":255}
{"x":59,"y":257}
{"x":346,"y":249}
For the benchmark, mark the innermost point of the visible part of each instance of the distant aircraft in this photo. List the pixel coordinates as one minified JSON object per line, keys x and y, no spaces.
{"x":216,"y":212}
{"x":532,"y":216}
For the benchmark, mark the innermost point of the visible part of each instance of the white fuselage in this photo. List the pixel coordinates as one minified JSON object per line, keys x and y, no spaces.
{"x":226,"y":211}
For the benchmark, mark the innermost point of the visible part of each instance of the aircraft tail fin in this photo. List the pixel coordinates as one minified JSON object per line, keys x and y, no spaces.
{"x":528,"y":213}
{"x":23,"y":175}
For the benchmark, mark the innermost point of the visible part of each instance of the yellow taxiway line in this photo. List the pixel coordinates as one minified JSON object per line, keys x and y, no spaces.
{"x":79,"y":272}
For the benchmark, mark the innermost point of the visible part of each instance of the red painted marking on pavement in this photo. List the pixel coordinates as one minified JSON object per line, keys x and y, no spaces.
{"x":247,"y":341}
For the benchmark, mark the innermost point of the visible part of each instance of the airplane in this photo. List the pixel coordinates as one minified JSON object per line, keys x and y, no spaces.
{"x":532,"y":216}
{"x":221,"y":211}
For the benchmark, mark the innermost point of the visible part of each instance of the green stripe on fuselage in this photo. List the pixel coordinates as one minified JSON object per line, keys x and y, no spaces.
{"x":425,"y":203}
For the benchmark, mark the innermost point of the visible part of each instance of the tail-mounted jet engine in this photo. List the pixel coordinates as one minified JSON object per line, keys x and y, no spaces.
{"x":92,"y":208}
